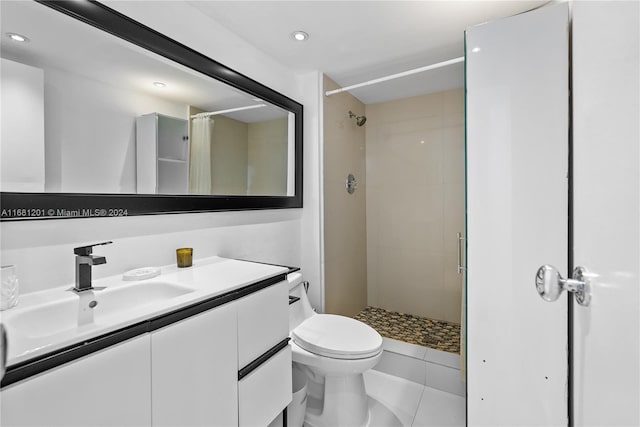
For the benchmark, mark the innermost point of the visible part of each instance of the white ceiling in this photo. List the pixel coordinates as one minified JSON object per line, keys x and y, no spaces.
{"x":355,"y":41}
{"x":350,"y":41}
{"x":63,"y":43}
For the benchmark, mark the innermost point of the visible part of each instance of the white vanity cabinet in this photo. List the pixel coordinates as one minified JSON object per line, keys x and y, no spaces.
{"x":195,"y":370}
{"x":106,"y":388}
{"x":223,"y":361}
{"x":162,"y":154}
{"x":229,"y":366}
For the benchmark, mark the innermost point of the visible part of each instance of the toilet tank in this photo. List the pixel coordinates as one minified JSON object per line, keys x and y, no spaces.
{"x":301,"y":309}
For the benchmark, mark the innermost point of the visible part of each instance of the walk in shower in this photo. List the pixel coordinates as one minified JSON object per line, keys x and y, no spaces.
{"x":392,"y":247}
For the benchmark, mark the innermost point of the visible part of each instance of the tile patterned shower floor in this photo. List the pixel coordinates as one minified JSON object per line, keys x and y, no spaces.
{"x":431,"y":333}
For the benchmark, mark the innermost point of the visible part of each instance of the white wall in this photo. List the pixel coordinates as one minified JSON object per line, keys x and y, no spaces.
{"x":606,"y":211}
{"x":22,"y":139}
{"x":42,"y":249}
{"x":312,"y":233}
{"x":90,"y":133}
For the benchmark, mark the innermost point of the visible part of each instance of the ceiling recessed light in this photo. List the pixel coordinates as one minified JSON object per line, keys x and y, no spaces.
{"x":299,"y":36}
{"x":17,"y":37}
{"x":159,"y":84}
{"x":475,"y":49}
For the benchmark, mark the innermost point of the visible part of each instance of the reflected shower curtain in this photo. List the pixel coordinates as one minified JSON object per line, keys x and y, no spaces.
{"x":200,"y":157}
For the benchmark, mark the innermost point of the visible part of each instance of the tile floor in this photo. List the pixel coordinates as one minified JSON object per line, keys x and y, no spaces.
{"x":420,"y":385}
{"x":426,"y":366}
{"x":414,"y":404}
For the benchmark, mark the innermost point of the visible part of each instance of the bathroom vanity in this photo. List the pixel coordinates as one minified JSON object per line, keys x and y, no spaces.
{"x":208,"y":346}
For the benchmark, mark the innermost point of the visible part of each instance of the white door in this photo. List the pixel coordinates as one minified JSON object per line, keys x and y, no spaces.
{"x":517,"y":121}
{"x":512,"y":339}
{"x":606,"y":214}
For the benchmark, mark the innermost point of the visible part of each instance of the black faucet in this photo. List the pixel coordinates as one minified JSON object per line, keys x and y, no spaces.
{"x":84,"y":261}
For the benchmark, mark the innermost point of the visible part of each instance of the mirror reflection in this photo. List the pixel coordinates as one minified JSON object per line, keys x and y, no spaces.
{"x":86,"y":112}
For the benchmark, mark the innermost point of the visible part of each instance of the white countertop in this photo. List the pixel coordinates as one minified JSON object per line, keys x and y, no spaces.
{"x":207,"y":278}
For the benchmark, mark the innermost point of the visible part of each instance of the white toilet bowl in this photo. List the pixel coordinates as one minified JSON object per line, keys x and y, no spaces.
{"x":333,"y":351}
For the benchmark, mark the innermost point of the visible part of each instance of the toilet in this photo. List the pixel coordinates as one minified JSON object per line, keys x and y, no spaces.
{"x":333,"y":351}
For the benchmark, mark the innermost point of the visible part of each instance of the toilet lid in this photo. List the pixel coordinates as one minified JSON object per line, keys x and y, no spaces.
{"x":336,"y":336}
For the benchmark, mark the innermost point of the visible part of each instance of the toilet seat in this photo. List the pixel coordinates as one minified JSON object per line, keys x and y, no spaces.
{"x":337,"y":337}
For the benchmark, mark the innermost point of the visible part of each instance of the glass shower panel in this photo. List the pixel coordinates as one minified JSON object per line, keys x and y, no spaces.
{"x":415,"y":209}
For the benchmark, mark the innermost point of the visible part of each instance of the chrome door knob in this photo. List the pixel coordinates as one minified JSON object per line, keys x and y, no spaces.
{"x":550,"y":284}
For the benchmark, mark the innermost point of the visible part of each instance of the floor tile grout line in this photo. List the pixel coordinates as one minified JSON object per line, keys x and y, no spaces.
{"x":413,"y":419}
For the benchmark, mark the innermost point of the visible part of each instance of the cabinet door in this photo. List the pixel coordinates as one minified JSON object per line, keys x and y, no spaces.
{"x":263,"y":321}
{"x":195,"y":371}
{"x":173,"y":139}
{"x":107,"y":388}
{"x":173,"y":155}
{"x":265,"y":392}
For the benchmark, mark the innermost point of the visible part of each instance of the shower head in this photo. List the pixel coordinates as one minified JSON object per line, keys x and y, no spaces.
{"x":360,"y":120}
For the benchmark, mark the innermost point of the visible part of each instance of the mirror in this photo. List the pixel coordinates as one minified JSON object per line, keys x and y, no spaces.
{"x":115,"y":117}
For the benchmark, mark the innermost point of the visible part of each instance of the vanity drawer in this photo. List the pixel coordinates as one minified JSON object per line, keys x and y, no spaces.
{"x":263,"y":321}
{"x":266,"y":391}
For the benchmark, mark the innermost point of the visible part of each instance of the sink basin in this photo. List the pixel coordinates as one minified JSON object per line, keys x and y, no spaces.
{"x":136,"y":295}
{"x":76,"y":312}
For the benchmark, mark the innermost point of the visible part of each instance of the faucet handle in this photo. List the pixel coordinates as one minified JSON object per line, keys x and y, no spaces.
{"x":87,"y":250}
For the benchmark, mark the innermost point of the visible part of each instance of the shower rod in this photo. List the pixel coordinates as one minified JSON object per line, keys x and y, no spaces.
{"x":397,"y":75}
{"x":230,"y":110}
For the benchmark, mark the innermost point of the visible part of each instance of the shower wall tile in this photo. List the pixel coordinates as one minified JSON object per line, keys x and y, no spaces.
{"x":229,"y":156}
{"x":416,"y":273}
{"x":415,"y":204}
{"x":453,"y":102}
{"x":267,"y":156}
{"x":345,"y":219}
{"x":454,"y":152}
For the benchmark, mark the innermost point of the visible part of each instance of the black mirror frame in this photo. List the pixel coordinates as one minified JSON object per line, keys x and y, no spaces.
{"x":27,"y":206}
